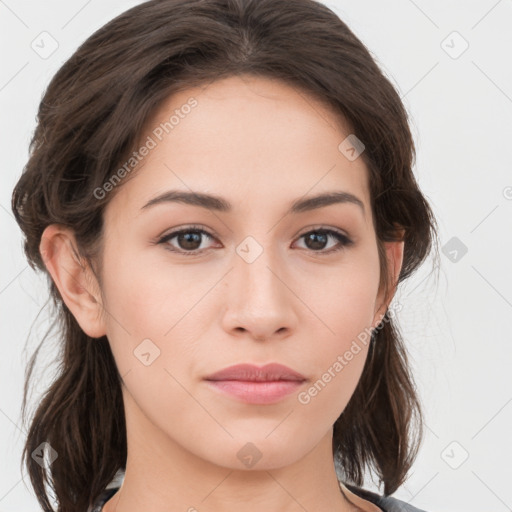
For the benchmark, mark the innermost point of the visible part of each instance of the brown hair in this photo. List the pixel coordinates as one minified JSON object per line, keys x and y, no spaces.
{"x":89,"y":120}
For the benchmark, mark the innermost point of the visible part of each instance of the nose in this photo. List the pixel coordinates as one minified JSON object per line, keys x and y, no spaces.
{"x":259,"y":300}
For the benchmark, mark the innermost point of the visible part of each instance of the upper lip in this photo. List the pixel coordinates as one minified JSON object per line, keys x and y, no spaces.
{"x":250,"y":372}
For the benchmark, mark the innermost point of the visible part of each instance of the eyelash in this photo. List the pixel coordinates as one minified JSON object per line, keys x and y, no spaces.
{"x":343,"y":240}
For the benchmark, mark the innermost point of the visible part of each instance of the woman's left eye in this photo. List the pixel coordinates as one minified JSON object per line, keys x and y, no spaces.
{"x":319,"y":237}
{"x":189,"y":240}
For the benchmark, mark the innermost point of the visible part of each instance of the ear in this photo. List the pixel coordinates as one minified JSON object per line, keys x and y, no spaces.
{"x":394,"y":255}
{"x":74,"y":279}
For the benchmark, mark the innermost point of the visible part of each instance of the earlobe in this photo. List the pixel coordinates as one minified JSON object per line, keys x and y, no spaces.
{"x":74,"y":279}
{"x":394,"y":255}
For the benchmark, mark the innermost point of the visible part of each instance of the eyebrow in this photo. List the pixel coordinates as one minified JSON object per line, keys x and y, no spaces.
{"x":220,"y":204}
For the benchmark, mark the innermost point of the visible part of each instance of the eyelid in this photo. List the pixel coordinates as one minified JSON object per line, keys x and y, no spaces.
{"x":186,"y":227}
{"x":323,"y":227}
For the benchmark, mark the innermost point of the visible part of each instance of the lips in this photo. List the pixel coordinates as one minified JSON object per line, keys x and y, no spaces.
{"x":255,"y":385}
{"x":250,"y":373}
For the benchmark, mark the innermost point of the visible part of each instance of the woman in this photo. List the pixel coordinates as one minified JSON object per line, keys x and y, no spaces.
{"x":221,"y":194}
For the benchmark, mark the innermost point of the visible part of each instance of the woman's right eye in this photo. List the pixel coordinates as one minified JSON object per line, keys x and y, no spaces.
{"x":189,"y":241}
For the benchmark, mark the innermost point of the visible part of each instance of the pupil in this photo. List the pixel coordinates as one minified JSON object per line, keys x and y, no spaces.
{"x":314,"y":238}
{"x":189,"y":238}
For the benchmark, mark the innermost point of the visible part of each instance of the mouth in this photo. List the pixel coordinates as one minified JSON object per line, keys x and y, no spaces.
{"x":256,"y":385}
{"x":249,"y":372}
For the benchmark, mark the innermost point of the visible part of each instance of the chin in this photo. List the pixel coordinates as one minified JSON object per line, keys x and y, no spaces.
{"x":256,"y":455}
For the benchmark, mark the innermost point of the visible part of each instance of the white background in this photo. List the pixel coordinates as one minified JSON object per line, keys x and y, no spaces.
{"x":457,"y":327}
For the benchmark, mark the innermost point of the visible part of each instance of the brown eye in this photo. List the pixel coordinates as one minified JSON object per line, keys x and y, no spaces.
{"x":188,"y":241}
{"x":318,"y":239}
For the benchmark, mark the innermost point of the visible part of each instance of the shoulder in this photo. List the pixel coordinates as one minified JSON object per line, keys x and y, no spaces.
{"x":112,"y":487}
{"x":101,"y":499}
{"x":386,"y":503}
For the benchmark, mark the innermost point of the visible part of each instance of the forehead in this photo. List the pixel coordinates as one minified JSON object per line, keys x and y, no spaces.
{"x":245,"y":137}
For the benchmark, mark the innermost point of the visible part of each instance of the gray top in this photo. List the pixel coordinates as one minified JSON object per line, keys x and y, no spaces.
{"x":385,"y":503}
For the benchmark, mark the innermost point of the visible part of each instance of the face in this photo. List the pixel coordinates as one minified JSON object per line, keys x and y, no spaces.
{"x":250,"y":279}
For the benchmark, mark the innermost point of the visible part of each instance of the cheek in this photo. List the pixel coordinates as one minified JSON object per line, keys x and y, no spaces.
{"x":345,"y":304}
{"x":343,"y":298}
{"x":338,"y":372}
{"x":145,"y":300}
{"x":338,"y":359}
{"x":152,"y":325}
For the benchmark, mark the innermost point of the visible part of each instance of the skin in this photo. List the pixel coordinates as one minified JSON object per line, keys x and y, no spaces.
{"x":260,"y":144}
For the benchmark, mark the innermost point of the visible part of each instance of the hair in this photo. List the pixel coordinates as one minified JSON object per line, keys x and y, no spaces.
{"x":89,"y":120}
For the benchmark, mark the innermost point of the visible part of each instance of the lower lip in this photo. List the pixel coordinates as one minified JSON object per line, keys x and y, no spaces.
{"x":257,"y":392}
